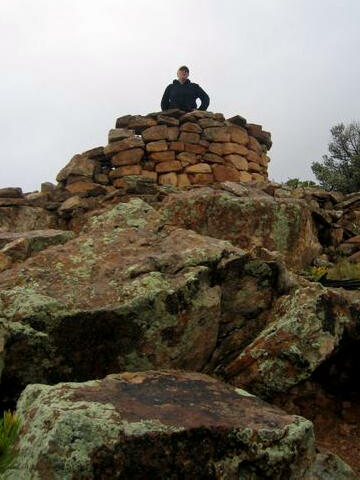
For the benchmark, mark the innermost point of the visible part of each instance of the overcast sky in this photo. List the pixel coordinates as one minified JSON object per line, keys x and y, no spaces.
{"x":69,"y":68}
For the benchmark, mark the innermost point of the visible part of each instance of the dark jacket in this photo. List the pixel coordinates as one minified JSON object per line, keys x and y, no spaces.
{"x":184,"y":96}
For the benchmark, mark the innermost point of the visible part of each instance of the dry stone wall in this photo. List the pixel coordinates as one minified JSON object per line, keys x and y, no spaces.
{"x":173,"y":147}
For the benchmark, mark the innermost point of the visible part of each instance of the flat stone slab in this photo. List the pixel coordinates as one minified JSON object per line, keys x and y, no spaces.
{"x":39,"y":239}
{"x":161,"y":425}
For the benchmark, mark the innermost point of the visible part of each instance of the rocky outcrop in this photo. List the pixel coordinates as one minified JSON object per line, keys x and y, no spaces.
{"x":161,"y":425}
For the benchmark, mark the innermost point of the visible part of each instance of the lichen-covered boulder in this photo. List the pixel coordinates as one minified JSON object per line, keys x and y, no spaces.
{"x":304,"y":329}
{"x":285,"y":225}
{"x":124,"y":295}
{"x":157,"y":425}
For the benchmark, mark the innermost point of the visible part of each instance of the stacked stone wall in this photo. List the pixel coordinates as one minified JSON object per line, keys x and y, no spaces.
{"x":176,"y":148}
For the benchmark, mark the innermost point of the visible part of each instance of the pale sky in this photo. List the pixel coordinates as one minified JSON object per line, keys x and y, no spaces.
{"x":69,"y":68}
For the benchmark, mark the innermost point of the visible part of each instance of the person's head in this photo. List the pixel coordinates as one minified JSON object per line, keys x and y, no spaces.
{"x":183,"y":74}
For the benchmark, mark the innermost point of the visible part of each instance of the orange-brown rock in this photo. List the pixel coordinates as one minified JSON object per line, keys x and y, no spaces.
{"x":238,"y":120}
{"x":189,"y":137}
{"x":257,"y":177}
{"x":183,"y":180}
{"x":201,"y":178}
{"x":199,"y":168}
{"x":168,"y":179}
{"x":223,"y":173}
{"x":173,"y":133}
{"x":167,"y":156}
{"x":126,"y":144}
{"x":216,"y":147}
{"x":253,"y":157}
{"x":119,"y":183}
{"x":177,"y":146}
{"x":11,"y":192}
{"x":149,"y":174}
{"x":167,"y":120}
{"x":216,"y":134}
{"x":127,"y":157}
{"x":264,"y":160}
{"x":254,"y":145}
{"x":187,"y":157}
{"x":94,"y":152}
{"x":86,"y":188}
{"x":245,"y":176}
{"x":238,"y":135}
{"x":117,"y":134}
{"x":166,"y":167}
{"x":140,"y":123}
{"x":158,"y":146}
{"x":237,"y":161}
{"x":149,"y":165}
{"x":78,"y":165}
{"x":212,"y":158}
{"x":158,"y":132}
{"x":209,"y":122}
{"x":190,"y":127}
{"x":195,"y":148}
{"x":229,"y":148}
{"x":254,"y":167}
{"x":127,"y":170}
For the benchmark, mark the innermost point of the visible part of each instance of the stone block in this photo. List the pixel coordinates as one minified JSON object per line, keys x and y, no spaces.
{"x":149,"y":174}
{"x":117,"y":134}
{"x":237,"y":161}
{"x":212,"y":158}
{"x":158,"y":132}
{"x":238,"y":120}
{"x":168,"y":179}
{"x":94,"y":152}
{"x":127,"y":157}
{"x":86,"y":189}
{"x":253,"y":157}
{"x":125,"y":144}
{"x":201,"y":178}
{"x":127,"y":170}
{"x":173,"y":133}
{"x":217,"y":148}
{"x":254,"y":167}
{"x":177,"y":146}
{"x":245,"y":177}
{"x":167,"y":120}
{"x":183,"y":180}
{"x":190,"y":127}
{"x":11,"y":192}
{"x":199,"y":168}
{"x":187,"y":157}
{"x":217,"y":134}
{"x":140,"y":123}
{"x":195,"y":148}
{"x":78,"y":165}
{"x":209,"y":122}
{"x":224,"y":173}
{"x":257,"y":177}
{"x":166,"y":167}
{"x":254,"y":145}
{"x":230,"y":147}
{"x":167,"y":156}
{"x":158,"y":146}
{"x":123,"y":121}
{"x":188,"y":137}
{"x":238,"y":135}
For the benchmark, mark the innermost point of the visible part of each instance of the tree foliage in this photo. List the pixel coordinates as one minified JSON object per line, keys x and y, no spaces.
{"x":297,"y":183}
{"x":340,"y":169}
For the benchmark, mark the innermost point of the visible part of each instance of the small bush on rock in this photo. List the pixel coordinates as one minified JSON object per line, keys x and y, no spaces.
{"x":9,"y":430}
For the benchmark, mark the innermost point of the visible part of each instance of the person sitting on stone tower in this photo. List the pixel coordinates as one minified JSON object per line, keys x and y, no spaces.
{"x":183,"y":94}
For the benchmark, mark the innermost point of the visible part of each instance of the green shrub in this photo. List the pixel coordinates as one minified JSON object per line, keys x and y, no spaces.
{"x":315,"y":273}
{"x":9,"y":430}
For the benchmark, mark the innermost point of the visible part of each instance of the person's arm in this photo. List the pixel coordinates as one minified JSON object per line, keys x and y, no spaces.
{"x":165,"y":101}
{"x":204,"y":97}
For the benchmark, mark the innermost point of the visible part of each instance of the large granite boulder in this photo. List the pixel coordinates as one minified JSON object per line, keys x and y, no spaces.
{"x":160,"y":425}
{"x":247,"y":221}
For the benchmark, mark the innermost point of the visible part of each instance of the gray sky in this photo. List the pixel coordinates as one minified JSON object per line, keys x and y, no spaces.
{"x":70,"y":67}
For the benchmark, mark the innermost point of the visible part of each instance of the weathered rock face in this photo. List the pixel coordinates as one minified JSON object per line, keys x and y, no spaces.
{"x":158,"y":425}
{"x":247,"y":221}
{"x":305,"y":328}
{"x":25,"y":218}
{"x":120,"y":296}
